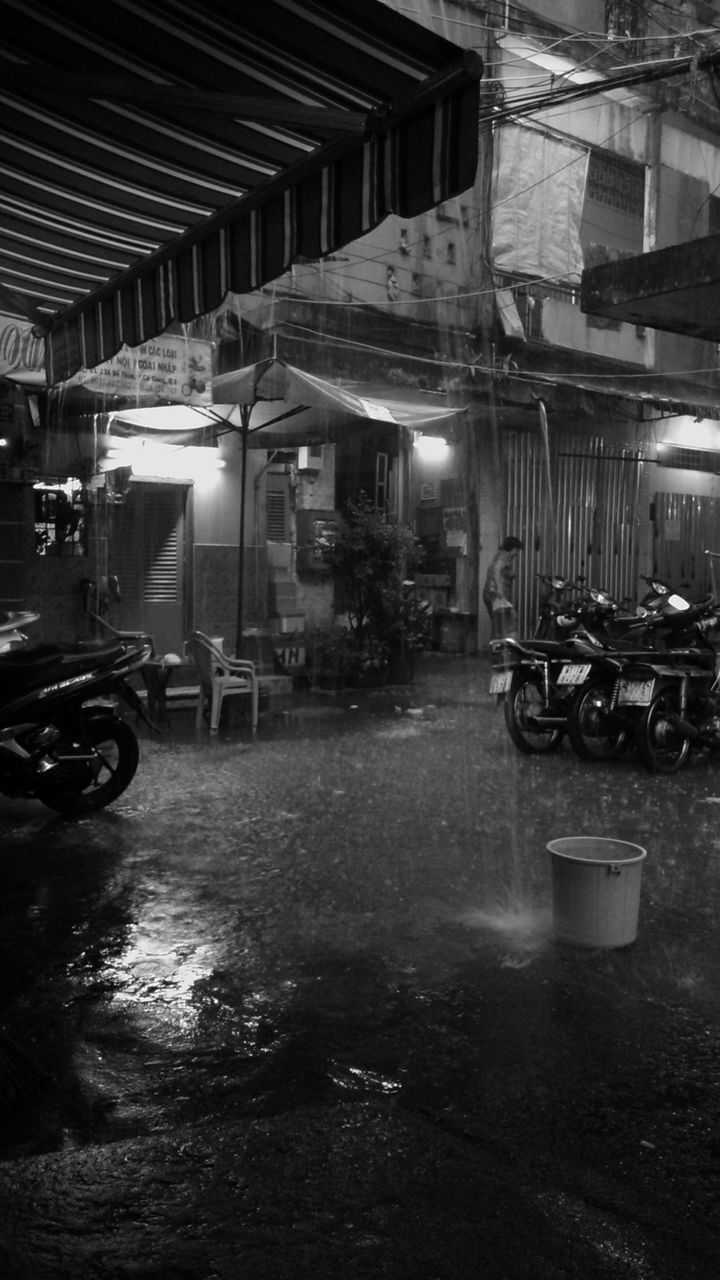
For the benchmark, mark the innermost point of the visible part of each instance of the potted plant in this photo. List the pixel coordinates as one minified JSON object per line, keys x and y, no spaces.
{"x":386,"y":623}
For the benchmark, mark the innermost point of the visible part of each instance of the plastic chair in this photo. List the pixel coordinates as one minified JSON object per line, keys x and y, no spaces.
{"x":221,"y":677}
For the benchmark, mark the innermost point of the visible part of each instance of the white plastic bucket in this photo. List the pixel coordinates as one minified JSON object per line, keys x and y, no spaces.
{"x":596,"y":890}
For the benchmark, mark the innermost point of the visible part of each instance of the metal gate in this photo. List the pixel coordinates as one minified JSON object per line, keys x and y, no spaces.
{"x":575,"y":504}
{"x":685,"y":526}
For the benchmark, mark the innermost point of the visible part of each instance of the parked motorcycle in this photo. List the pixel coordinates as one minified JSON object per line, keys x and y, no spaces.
{"x":595,"y":730}
{"x":550,"y":687}
{"x":552,"y":604}
{"x":538,"y":680}
{"x":62,"y":740}
{"x":675,"y":694}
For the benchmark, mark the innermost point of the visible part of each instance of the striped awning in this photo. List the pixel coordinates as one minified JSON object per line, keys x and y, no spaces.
{"x":157,"y":154}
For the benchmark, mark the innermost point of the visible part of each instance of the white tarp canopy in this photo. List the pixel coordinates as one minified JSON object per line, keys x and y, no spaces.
{"x":278,"y":405}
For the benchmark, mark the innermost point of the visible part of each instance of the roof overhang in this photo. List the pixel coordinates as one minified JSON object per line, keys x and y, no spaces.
{"x":159,"y":156}
{"x":675,"y":289}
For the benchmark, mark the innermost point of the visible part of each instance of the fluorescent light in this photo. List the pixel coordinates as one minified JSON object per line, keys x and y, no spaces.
{"x":148,"y":458}
{"x":431,"y":448}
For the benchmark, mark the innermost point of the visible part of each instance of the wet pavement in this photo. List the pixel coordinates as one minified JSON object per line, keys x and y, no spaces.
{"x":294,"y":1008}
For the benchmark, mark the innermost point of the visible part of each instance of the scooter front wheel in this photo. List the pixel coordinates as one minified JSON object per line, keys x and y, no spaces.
{"x":524,"y":709}
{"x":78,"y":784}
{"x":661,"y":743}
{"x":590,"y":727}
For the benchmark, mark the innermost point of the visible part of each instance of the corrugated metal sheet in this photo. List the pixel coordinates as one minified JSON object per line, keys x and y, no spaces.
{"x":684,"y":526}
{"x":575,"y":505}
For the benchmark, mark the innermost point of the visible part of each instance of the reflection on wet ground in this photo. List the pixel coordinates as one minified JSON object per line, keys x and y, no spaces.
{"x":337,"y":941}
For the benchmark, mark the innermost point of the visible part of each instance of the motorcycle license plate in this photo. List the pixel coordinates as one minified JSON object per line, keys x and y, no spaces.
{"x":635,"y":693}
{"x":574,"y":673}
{"x":500,"y":681}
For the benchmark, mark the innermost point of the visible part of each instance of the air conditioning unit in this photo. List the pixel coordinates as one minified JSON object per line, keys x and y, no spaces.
{"x":310,"y":457}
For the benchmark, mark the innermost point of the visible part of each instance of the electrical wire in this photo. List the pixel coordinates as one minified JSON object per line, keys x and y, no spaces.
{"x":506,"y":115}
{"x":532,"y":103}
{"x":320,"y":337}
{"x":382,"y":253}
{"x":573,"y":32}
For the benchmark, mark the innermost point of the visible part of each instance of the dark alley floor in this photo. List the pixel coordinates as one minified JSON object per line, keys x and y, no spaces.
{"x":294,"y":1008}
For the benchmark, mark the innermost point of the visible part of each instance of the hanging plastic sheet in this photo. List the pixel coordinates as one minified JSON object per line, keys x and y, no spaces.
{"x":539,"y":191}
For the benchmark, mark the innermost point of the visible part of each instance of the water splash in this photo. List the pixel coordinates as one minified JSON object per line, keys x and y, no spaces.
{"x":523,"y":930}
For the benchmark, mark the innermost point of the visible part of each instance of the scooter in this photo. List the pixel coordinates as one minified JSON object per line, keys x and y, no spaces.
{"x":62,"y":740}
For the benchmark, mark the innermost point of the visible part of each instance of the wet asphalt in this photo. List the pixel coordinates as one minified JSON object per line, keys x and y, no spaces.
{"x":295,"y":1007}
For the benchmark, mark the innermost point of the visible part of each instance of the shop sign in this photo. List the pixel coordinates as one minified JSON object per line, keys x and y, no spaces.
{"x":22,"y":354}
{"x":170,"y":367}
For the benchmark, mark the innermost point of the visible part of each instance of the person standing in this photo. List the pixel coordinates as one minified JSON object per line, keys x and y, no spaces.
{"x":498,"y":592}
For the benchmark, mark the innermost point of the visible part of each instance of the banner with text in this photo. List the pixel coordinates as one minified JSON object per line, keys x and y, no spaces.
{"x":170,"y":367}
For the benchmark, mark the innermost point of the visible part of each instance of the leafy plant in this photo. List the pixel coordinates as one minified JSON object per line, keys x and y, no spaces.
{"x":371,"y":558}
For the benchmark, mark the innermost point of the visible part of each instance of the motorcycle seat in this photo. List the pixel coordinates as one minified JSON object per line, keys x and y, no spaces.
{"x":546,"y":648}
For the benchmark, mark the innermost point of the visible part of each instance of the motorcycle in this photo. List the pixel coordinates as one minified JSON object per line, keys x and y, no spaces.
{"x":538,"y":679}
{"x":552,"y":604}
{"x":566,"y":685}
{"x":675,"y":694}
{"x":595,"y":730}
{"x":538,"y":682}
{"x":62,"y":740}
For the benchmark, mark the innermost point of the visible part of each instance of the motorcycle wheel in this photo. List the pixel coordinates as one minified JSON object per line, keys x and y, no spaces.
{"x":591,"y":733}
{"x":523,"y":704}
{"x":84,"y":786}
{"x":661,"y":745}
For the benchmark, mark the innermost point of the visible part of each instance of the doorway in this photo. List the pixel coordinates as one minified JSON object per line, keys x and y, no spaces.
{"x":147,"y":556}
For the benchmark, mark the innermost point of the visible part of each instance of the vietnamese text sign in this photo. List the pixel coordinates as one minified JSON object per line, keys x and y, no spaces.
{"x":170,"y":367}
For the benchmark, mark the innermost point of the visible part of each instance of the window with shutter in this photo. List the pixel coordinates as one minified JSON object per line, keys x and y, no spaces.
{"x":277,"y":506}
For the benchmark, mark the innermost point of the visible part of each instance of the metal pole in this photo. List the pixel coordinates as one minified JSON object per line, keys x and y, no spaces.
{"x":545,"y":434}
{"x":245,"y":411}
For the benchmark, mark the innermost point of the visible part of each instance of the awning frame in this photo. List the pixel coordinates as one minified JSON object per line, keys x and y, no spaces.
{"x":412,"y":157}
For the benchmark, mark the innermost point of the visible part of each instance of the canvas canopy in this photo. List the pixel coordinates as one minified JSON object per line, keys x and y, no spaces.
{"x":157,"y":156}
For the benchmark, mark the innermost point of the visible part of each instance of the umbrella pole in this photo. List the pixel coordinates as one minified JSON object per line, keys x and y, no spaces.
{"x":245,"y":411}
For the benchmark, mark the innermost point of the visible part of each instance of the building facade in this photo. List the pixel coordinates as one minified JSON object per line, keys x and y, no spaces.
{"x":595,"y":442}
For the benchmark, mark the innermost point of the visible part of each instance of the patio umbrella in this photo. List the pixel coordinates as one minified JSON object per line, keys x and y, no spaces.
{"x":301,"y":409}
{"x":310,"y":410}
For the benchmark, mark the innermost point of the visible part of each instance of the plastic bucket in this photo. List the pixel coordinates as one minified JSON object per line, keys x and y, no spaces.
{"x":596,"y":890}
